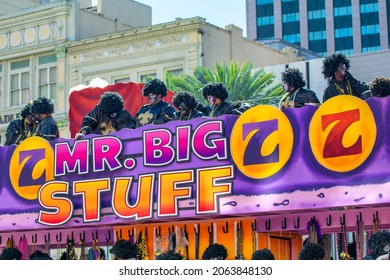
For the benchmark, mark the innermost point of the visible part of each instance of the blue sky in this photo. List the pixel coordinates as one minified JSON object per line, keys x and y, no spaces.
{"x":216,"y":12}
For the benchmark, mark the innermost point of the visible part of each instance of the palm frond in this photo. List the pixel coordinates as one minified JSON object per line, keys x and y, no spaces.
{"x":242,"y":83}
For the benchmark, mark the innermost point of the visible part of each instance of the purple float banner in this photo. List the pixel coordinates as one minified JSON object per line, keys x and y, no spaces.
{"x":335,"y":155}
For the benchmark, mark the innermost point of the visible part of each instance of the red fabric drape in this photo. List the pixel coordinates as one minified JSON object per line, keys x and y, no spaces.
{"x":81,"y":102}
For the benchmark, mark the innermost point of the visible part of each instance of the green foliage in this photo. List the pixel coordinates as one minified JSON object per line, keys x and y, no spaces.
{"x":242,"y":83}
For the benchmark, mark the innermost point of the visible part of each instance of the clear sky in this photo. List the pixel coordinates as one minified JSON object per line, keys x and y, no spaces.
{"x":216,"y":12}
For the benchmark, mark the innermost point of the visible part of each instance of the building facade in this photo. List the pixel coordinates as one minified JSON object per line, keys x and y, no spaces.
{"x":49,"y":47}
{"x":177,"y":47}
{"x":33,"y":39}
{"x":350,"y":26}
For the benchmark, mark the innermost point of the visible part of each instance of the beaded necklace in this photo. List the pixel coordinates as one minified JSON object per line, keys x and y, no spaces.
{"x":188,"y":116}
{"x":27,"y":131}
{"x":341,"y":90}
{"x":214,"y":109}
{"x":288,"y":100}
{"x":360,"y":239}
{"x":254,"y":238}
{"x":376,"y":224}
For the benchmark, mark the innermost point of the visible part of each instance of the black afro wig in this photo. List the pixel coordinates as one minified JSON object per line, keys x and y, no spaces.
{"x":187,"y":98}
{"x":215,"y":89}
{"x":111,"y":102}
{"x":11,"y":254}
{"x":215,"y":251}
{"x":377,"y":243}
{"x":380,"y":86}
{"x":332,"y":62}
{"x":155,"y":86}
{"x":39,"y":255}
{"x":26,"y":110}
{"x":170,"y":255}
{"x":293,"y":77}
{"x":124,"y":249}
{"x":42,"y":105}
{"x":263,"y":254}
{"x":312,"y":251}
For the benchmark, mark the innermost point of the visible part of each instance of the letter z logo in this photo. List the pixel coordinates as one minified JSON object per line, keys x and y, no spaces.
{"x":342,"y":133}
{"x":261,"y":141}
{"x":31,"y":166}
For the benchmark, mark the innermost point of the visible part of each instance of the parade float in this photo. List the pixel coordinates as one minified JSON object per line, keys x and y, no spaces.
{"x":263,"y":179}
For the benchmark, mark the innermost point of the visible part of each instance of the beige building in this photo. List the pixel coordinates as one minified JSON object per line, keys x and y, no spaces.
{"x":177,"y":46}
{"x":48,"y":47}
{"x":33,"y":39}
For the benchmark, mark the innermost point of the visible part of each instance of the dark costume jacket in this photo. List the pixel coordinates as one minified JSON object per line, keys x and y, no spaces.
{"x":223,"y":108}
{"x":17,"y":131}
{"x":298,"y":99}
{"x":98,"y":122}
{"x":204,"y":109}
{"x":192,"y":115}
{"x":47,"y":128}
{"x":350,"y":85}
{"x":159,"y":113}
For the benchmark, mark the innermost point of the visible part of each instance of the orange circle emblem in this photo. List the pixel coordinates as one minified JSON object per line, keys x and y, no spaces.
{"x":261,"y":141}
{"x":31,"y":166}
{"x":342,"y":133}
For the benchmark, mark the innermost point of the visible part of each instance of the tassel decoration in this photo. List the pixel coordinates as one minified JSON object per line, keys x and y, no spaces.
{"x":360,"y":239}
{"x":314,"y":229}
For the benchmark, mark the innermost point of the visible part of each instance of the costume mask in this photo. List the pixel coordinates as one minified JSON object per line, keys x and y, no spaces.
{"x":286,"y":87}
{"x":183,"y":109}
{"x":341,"y":69}
{"x":30,"y":118}
{"x":211,"y":100}
{"x":152,"y":98}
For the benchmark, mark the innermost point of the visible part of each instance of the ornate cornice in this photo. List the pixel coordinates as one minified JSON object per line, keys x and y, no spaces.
{"x":134,"y":35}
{"x":135,"y":48}
{"x":31,"y":17}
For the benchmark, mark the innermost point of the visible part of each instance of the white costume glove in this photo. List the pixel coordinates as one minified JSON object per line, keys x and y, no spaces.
{"x":79,"y":136}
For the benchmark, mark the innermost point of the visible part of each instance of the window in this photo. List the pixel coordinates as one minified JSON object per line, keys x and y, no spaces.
{"x":317,"y":35}
{"x":318,"y":46}
{"x":343,"y":32}
{"x":175,"y":72}
{"x":122,"y":80}
{"x":316,"y":14}
{"x":369,"y":8}
{"x":265,"y":20}
{"x":316,"y":5}
{"x":47,"y":77}
{"x":290,"y":17}
{"x":342,"y":11}
{"x":20,"y":83}
{"x":370,"y":29}
{"x":371,"y":49}
{"x":344,"y":44}
{"x":347,"y":51}
{"x":292,"y":38}
{"x":262,"y":2}
{"x":147,"y":77}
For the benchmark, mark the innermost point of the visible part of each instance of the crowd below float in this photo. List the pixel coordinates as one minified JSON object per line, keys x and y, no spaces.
{"x":109,"y":115}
